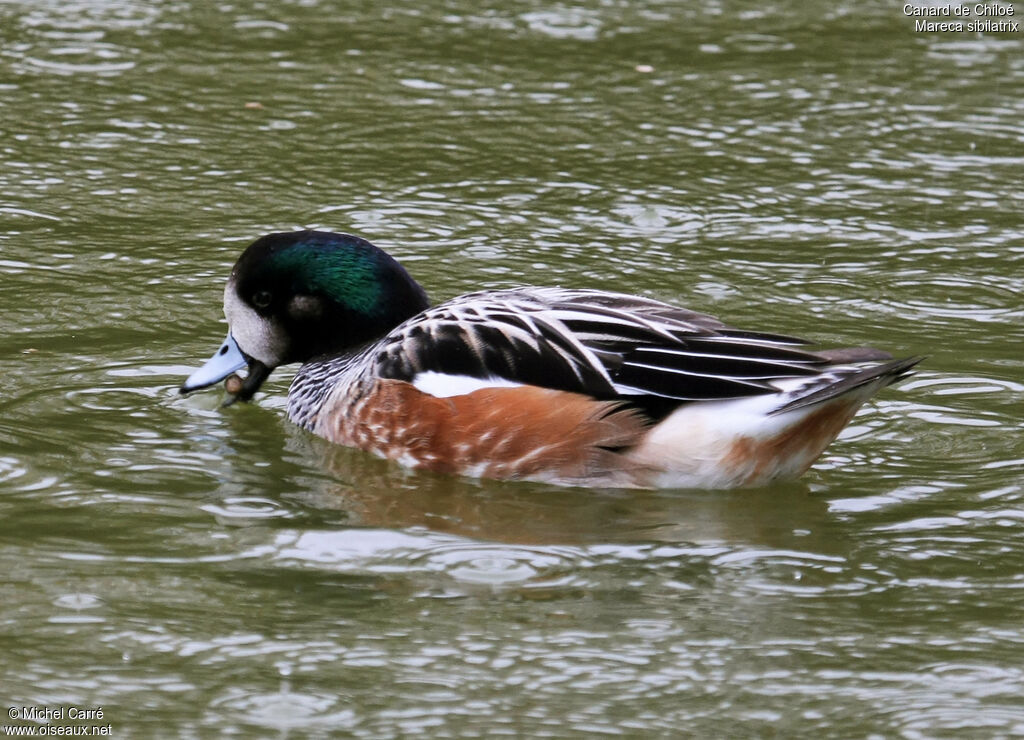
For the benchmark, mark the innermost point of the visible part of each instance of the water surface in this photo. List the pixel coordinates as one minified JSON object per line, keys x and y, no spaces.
{"x":814,"y":169}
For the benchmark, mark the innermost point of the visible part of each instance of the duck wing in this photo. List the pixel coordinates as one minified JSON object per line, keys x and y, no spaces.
{"x":606,"y":345}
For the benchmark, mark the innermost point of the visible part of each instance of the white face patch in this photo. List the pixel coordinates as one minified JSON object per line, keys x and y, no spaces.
{"x":443,"y":385}
{"x":256,"y":336}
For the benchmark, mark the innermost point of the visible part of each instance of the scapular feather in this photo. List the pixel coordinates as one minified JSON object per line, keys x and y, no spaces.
{"x":602,"y":344}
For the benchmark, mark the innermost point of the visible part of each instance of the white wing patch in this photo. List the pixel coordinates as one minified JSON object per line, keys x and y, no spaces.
{"x":443,"y":385}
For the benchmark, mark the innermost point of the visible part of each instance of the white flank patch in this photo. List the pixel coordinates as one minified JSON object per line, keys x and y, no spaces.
{"x":689,"y":445}
{"x":443,"y":385}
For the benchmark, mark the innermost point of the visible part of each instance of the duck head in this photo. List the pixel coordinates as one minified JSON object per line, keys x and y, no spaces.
{"x":298,"y":295}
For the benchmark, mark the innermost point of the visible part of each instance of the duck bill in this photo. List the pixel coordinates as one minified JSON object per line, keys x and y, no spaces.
{"x":227,"y":360}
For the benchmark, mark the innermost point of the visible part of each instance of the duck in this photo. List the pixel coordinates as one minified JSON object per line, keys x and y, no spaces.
{"x":577,"y":387}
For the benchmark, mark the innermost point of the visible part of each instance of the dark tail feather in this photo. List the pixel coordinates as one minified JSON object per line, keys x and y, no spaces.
{"x":891,"y":372}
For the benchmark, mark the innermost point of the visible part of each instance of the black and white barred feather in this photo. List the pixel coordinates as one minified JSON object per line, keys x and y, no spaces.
{"x":610,"y":346}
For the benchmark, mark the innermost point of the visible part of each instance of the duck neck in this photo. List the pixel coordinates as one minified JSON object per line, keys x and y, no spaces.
{"x":314,"y":382}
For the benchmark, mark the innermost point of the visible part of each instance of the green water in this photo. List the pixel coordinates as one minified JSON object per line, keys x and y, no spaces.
{"x":818,"y":169}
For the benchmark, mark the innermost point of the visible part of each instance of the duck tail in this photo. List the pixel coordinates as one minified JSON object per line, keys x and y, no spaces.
{"x":877,"y":376}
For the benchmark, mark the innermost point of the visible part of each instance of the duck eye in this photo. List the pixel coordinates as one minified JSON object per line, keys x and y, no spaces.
{"x":261,"y":299}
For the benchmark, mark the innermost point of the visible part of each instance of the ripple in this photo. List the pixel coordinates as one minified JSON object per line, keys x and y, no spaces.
{"x":898,"y":496}
{"x":79,"y":67}
{"x":565,"y":23}
{"x":467,"y":562}
{"x":78,"y":601}
{"x":979,"y":298}
{"x":284,"y":710}
{"x":11,"y":468}
{"x":242,"y":510}
{"x":962,"y":385}
{"x":945,"y":415}
{"x":110,"y":398}
{"x":27,"y":477}
{"x":759,"y":43}
{"x":26,"y":213}
{"x":927,"y":721}
{"x":498,"y":565}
